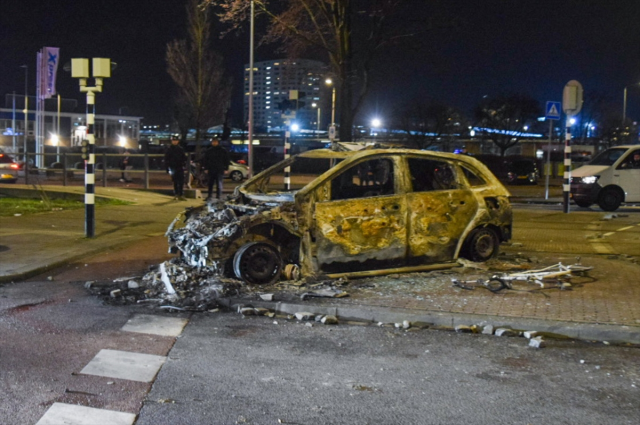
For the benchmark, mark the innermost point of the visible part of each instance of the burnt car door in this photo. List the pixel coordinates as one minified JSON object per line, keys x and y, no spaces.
{"x":362,"y":225}
{"x":440,"y":209}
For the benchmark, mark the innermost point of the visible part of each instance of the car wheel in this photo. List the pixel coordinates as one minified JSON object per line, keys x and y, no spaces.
{"x":583,"y":204}
{"x":610,"y":199}
{"x":257,"y":263}
{"x":236,"y":176}
{"x":481,"y":245}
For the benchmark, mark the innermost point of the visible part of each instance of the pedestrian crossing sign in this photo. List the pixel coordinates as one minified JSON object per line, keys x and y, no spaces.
{"x":553,"y":111}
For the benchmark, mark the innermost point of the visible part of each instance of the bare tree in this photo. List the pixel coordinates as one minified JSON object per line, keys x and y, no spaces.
{"x":428,"y":124}
{"x":350,"y":33}
{"x":503,"y":118}
{"x":203,"y":91}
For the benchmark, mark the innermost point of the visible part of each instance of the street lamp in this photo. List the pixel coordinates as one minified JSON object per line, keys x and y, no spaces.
{"x":624,"y":102}
{"x":315,"y":105}
{"x":123,"y":141}
{"x":332,"y":129}
{"x":375,"y":124}
{"x":26,"y":112}
{"x":55,"y":140}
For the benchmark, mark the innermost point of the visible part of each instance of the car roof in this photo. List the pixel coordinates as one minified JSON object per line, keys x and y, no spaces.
{"x":327,"y":153}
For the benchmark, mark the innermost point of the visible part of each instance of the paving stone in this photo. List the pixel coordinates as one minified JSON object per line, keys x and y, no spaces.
{"x":124,"y":365}
{"x":155,"y":325}
{"x":71,"y":414}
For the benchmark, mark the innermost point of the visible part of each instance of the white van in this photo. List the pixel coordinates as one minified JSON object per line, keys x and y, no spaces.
{"x":611,"y":178}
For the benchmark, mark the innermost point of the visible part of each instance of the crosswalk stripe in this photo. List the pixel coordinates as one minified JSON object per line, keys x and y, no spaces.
{"x":71,"y":414}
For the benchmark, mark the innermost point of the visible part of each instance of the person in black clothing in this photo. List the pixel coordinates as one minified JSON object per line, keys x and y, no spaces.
{"x":174,"y":160}
{"x":124,"y":163}
{"x":216,"y":162}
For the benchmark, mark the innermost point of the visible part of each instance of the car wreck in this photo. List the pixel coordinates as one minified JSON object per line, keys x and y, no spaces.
{"x":349,"y":214}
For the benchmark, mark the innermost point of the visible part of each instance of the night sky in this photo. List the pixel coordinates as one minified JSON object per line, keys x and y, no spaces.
{"x":496,"y":46}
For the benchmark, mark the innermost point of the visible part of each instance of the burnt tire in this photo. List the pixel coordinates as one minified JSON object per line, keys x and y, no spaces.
{"x":236,"y":176}
{"x":481,"y":245}
{"x":257,"y":263}
{"x":610,"y":199}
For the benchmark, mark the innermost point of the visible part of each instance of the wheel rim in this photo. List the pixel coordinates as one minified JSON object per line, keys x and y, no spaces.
{"x":484,"y":245}
{"x":257,"y":263}
{"x":236,"y":176}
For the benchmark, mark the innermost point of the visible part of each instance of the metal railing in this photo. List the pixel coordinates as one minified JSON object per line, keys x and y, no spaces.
{"x":107,"y":165}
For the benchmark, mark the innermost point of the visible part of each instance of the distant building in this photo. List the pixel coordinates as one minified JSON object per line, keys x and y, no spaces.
{"x":110,"y":130}
{"x":273,"y":81}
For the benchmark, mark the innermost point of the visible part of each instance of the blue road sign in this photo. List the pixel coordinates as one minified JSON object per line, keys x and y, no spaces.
{"x":553,"y":110}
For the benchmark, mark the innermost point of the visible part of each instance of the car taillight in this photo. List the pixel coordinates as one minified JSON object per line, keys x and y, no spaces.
{"x":14,"y":166}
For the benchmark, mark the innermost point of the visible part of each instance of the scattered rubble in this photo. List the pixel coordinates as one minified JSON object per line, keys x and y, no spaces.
{"x":537,"y":342}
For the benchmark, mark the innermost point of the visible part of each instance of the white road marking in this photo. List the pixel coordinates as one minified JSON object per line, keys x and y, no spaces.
{"x":601,"y":248}
{"x":71,"y":414}
{"x":155,"y":325}
{"x":125,"y":365}
{"x":624,"y":228}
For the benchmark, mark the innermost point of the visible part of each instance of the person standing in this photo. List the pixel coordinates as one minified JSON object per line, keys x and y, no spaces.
{"x":174,"y":160}
{"x":124,"y":166}
{"x":216,"y":161}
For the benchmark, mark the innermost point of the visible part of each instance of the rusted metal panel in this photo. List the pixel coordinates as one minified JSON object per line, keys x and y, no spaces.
{"x":437,"y":220}
{"x":361,"y":229}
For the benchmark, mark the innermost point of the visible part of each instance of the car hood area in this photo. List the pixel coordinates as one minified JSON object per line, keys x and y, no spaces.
{"x":588,"y":170}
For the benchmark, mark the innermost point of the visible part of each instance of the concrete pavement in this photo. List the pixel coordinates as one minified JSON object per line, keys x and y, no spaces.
{"x":604,"y":307}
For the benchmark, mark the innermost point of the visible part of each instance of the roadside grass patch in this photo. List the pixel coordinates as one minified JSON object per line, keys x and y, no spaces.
{"x":11,"y":206}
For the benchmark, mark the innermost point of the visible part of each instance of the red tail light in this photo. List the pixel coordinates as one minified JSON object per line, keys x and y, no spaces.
{"x":14,"y":166}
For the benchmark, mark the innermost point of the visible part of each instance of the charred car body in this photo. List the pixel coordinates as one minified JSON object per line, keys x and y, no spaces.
{"x":350,"y":214}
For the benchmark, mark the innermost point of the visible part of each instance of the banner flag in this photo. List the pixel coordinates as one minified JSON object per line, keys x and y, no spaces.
{"x":50,"y":60}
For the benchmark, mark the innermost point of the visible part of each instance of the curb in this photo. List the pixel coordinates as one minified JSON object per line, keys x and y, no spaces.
{"x":576,"y":330}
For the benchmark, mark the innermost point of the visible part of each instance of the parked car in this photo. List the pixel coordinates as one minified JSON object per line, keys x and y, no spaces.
{"x":522,"y":171}
{"x":237,"y":172}
{"x":370,"y":212}
{"x":8,"y":169}
{"x":611,"y":178}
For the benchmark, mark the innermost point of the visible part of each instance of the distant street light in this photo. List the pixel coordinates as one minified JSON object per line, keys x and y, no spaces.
{"x":624,"y":102}
{"x":315,"y":105}
{"x":295,"y":127}
{"x":123,"y":141}
{"x":332,"y":129}
{"x":55,"y":140}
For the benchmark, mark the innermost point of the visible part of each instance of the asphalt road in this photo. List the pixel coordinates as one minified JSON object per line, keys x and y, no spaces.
{"x":226,"y":370}
{"x":229,"y":370}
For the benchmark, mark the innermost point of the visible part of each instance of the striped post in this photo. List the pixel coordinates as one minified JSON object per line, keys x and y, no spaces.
{"x":89,"y":175}
{"x":287,"y":170}
{"x":566,"y":183}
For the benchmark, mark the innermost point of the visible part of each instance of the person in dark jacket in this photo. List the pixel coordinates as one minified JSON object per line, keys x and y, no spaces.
{"x":216,"y":162}
{"x":174,"y":160}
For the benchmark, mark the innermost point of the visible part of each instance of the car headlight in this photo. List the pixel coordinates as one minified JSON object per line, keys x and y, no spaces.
{"x":589,"y":179}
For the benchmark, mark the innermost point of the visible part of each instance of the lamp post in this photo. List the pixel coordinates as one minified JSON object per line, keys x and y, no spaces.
{"x":250,"y":117}
{"x":55,"y":139}
{"x":624,"y":102}
{"x":100,"y":69}
{"x":315,"y":105}
{"x":26,"y":112}
{"x":332,"y":129}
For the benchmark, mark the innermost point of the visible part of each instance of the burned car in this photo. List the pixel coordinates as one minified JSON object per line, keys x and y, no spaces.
{"x":353,"y":214}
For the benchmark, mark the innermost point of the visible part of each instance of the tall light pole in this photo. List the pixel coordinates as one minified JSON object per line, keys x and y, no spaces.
{"x":250,"y":124}
{"x":624,"y":102}
{"x":26,"y":111}
{"x":332,"y":129}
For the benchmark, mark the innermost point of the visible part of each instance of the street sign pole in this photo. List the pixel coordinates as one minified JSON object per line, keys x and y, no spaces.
{"x":548,"y":167}
{"x":571,"y":104}
{"x":552,"y":113}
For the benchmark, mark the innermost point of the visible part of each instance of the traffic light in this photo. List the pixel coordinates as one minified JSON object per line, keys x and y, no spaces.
{"x":84,"y":150}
